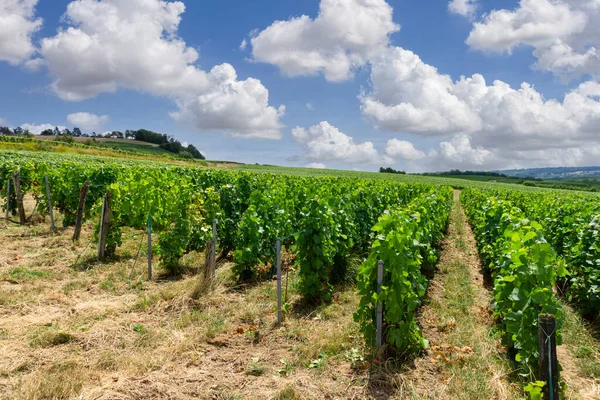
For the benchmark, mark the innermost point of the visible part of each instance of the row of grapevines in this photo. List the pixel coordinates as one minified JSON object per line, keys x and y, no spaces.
{"x":405,"y":243}
{"x":524,"y":267}
{"x":571,"y":225}
{"x":332,"y":227}
{"x":253,"y":209}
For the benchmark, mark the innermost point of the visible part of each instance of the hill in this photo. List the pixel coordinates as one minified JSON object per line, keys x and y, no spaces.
{"x":122,"y":144}
{"x":554,"y":172}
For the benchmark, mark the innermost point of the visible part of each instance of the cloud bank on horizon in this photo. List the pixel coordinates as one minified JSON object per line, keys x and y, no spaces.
{"x":430,"y":120}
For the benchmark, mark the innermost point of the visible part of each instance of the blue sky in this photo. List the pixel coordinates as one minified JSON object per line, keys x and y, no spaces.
{"x":429,"y":31}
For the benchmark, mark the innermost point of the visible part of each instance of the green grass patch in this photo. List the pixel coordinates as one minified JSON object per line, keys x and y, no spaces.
{"x":49,"y":336}
{"x":26,"y":274}
{"x":583,"y":346}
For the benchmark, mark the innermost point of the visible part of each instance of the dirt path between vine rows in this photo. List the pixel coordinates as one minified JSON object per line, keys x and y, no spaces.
{"x":465,"y":359}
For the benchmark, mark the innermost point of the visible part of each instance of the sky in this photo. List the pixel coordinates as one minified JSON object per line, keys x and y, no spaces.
{"x":419,"y":86}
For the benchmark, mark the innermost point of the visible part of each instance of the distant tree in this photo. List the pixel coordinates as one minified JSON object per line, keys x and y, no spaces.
{"x":77,"y":132}
{"x":56,"y":131}
{"x":390,"y":170}
{"x":64,"y":138}
{"x":116,"y":135}
{"x":27,"y":133}
{"x":4,"y":130}
{"x":47,"y":132}
{"x":93,"y":134}
{"x":18,"y":131}
{"x":67,"y":132}
{"x":144,"y":135}
{"x":173,"y":146}
{"x":195,"y":152}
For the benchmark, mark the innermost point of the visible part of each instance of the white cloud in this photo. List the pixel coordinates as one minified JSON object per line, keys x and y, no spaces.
{"x":37,"y":129}
{"x":411,"y":96}
{"x":563,"y":34}
{"x":112,"y":44}
{"x":243,"y":45}
{"x":241,"y":107}
{"x":309,"y":106}
{"x":343,"y":37}
{"x":87,"y":122}
{"x":460,"y":153}
{"x":325,"y":142}
{"x":466,"y":8}
{"x":3,"y":122}
{"x":316,"y":165}
{"x":403,"y":150}
{"x":17,"y":25}
{"x":489,"y":126}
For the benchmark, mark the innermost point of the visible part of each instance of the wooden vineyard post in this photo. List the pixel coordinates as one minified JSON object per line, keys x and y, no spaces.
{"x":7,"y":199}
{"x":149,"y":247}
{"x":548,"y":362}
{"x":104,"y":225}
{"x":213,"y":257}
{"x":278,"y":252}
{"x":49,"y":203}
{"x":21,"y":208}
{"x":379,"y":321}
{"x":80,"y":210}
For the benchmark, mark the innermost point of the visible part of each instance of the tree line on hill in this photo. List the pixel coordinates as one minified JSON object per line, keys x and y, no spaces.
{"x":389,"y":170}
{"x":164,"y":141}
{"x":457,"y":172}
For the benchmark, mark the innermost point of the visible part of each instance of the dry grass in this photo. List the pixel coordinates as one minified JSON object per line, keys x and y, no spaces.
{"x":101,"y":330}
{"x":465,"y":359}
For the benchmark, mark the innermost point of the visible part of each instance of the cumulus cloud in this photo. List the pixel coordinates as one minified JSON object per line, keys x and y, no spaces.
{"x":466,"y":8}
{"x":309,"y":106}
{"x":87,"y":122}
{"x":459,"y":152}
{"x":411,"y":96}
{"x":241,"y":107}
{"x":325,"y":142}
{"x":403,"y":149}
{"x":563,"y":34}
{"x":481,"y":125}
{"x":112,"y":44}
{"x":343,"y":37}
{"x":37,"y":129}
{"x":316,"y":165}
{"x":243,"y":45}
{"x":17,"y":26}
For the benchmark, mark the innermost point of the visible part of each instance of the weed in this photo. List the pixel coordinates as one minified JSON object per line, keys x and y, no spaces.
{"x":139,"y":328}
{"x":48,"y":337}
{"x":254,"y":367}
{"x":287,"y":393}
{"x":354,"y":356}
{"x":318,"y":363}
{"x":108,"y":286}
{"x":286,"y":369}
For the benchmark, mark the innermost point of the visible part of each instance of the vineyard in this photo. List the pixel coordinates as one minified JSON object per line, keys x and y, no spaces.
{"x":354,"y":267}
